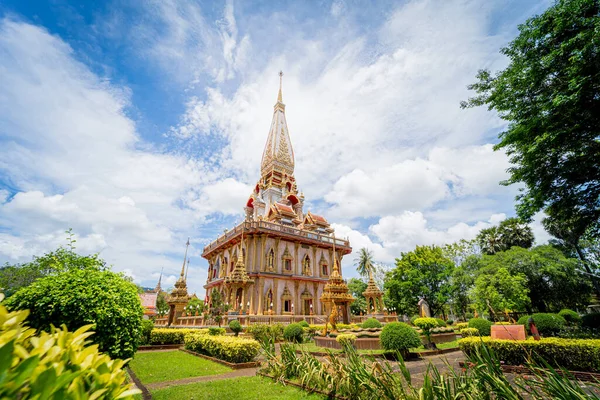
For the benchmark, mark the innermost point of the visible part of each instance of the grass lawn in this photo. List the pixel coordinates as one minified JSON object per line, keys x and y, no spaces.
{"x":161,"y":366}
{"x":255,"y":387}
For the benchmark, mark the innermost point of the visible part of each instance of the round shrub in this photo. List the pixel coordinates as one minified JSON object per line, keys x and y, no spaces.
{"x":591,"y":321}
{"x":293,"y":333}
{"x":412,"y":319}
{"x":215,"y":331}
{"x":548,"y":324}
{"x":346,"y":339}
{"x":483,"y":326}
{"x":86,"y":296}
{"x":572,"y":317}
{"x":371,"y":323}
{"x":398,"y":336}
{"x":235,"y":327}
{"x":524,"y":321}
{"x":466,"y":332}
{"x":147,"y":326}
{"x":426,"y":324}
{"x":441,"y":323}
{"x":468,"y":315}
{"x":304,"y":324}
{"x":450,"y":322}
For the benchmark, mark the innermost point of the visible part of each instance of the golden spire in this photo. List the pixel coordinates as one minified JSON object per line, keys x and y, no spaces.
{"x":280,"y":97}
{"x":187,"y":269}
{"x":184,"y":258}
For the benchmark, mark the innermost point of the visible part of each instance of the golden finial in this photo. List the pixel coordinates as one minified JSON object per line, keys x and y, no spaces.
{"x":280,"y":97}
{"x":185,"y":258}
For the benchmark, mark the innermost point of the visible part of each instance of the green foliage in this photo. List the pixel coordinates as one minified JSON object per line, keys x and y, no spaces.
{"x":217,"y":307}
{"x":304,"y":324}
{"x":195,"y":305}
{"x":500,"y":289}
{"x":170,"y":335}
{"x":162,"y":308}
{"x":345,"y":339}
{"x":426,"y":324}
{"x":79,"y":297}
{"x":356,"y":288}
{"x":524,"y":321}
{"x":440,"y":322}
{"x":371,"y":323}
{"x":549,"y":96}
{"x":261,"y":332}
{"x":572,"y":354}
{"x":467,"y":332}
{"x":450,"y":322}
{"x":591,"y":321}
{"x":235,"y":326}
{"x":364,"y":262}
{"x":227,"y":348}
{"x":147,"y":326}
{"x":58,"y":364}
{"x":422,"y":273}
{"x":412,"y":319}
{"x":293,"y":333}
{"x":461,"y":325}
{"x":483,"y":325}
{"x":511,"y":232}
{"x":216,"y":331}
{"x":570,"y":316}
{"x":548,"y":324}
{"x":398,"y":336}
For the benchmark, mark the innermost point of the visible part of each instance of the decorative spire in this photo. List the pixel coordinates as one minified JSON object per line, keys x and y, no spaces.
{"x":280,"y":97}
{"x":184,"y":258}
{"x":158,"y":289}
{"x":187,"y":269}
{"x":239,"y":274}
{"x":278,"y":154}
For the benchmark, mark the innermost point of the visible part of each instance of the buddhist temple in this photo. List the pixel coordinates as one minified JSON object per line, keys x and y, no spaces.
{"x":278,"y":261}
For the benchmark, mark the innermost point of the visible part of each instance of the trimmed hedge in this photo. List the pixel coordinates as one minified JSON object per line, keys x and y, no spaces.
{"x":346,"y":339}
{"x":483,"y":326}
{"x":147,"y":327}
{"x":591,"y":321}
{"x":548,"y":324}
{"x":441,"y":323}
{"x":235,"y":327}
{"x":263,"y":332}
{"x":293,"y":333}
{"x":572,"y":317}
{"x":572,"y":354}
{"x":523,"y":321}
{"x":171,"y":335}
{"x":227,"y":348}
{"x":467,"y":332}
{"x":426,"y":323}
{"x":461,"y":325}
{"x":398,"y":336}
{"x":216,"y":331}
{"x":371,"y":323}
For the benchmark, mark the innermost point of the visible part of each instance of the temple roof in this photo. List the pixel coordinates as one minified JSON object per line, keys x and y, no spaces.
{"x":278,"y":153}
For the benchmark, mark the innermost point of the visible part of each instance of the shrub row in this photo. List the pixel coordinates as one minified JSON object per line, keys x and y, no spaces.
{"x":546,"y":324}
{"x":461,"y":325}
{"x":482,"y":325}
{"x":467,"y":332}
{"x":572,"y":354}
{"x":263,"y":332}
{"x":171,"y":335}
{"x":227,"y":348}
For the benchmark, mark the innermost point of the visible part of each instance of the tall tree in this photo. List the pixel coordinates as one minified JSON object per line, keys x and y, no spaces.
{"x":422,"y":273}
{"x":364,"y":262}
{"x":550,"y":96}
{"x":511,"y":232}
{"x":357,"y":287}
{"x":497,"y":290}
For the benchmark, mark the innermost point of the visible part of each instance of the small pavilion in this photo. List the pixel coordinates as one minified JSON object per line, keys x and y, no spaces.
{"x":238,"y":283}
{"x":374,"y":297}
{"x":179,"y":297}
{"x":336,"y":294}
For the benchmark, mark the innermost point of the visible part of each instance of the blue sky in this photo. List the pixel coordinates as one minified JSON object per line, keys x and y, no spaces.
{"x":140,"y":123}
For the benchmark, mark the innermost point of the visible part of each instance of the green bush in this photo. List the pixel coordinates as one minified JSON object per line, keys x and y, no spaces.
{"x":371,"y":323}
{"x":86,"y":296}
{"x":450,"y":322}
{"x":461,"y":325}
{"x":524,"y":321}
{"x":412,"y":319}
{"x":466,"y":332}
{"x":304,"y":324}
{"x":548,"y":324}
{"x":147,"y":326}
{"x":572,"y":354}
{"x":570,"y":316}
{"x":468,"y":315}
{"x":214,"y":331}
{"x":345,"y":339}
{"x":171,"y":335}
{"x":398,"y":336}
{"x":293,"y":333}
{"x":228,"y":348}
{"x":591,"y":321}
{"x":235,"y":326}
{"x":441,"y":323}
{"x":55,"y":365}
{"x":426,"y":324}
{"x":483,"y":326}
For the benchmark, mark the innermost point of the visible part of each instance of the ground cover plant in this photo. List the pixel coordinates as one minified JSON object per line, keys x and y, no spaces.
{"x":161,"y":366}
{"x":255,"y":387}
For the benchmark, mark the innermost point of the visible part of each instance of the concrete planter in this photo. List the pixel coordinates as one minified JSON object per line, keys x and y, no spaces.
{"x":508,"y":332}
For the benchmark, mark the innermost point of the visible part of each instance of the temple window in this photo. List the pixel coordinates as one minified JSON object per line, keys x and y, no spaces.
{"x":287,"y":306}
{"x":324,"y":269}
{"x":287,"y":260}
{"x":271,"y":260}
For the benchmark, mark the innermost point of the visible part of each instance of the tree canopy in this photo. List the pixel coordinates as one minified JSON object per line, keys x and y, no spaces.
{"x":550,"y":96}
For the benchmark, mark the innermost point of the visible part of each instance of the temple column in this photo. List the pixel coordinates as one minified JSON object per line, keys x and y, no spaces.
{"x":276,"y":256}
{"x":275,"y":297}
{"x":253,"y":267}
{"x":297,"y":262}
{"x":314,"y":262}
{"x":260,"y":298}
{"x":262,"y":243}
{"x":297,"y":305}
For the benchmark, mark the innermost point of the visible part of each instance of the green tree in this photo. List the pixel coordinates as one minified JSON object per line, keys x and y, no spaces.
{"x":422,"y":273}
{"x":550,"y":96}
{"x":511,"y":232}
{"x":364,"y":262}
{"x":357,"y":287}
{"x":462,"y":281}
{"x":162,"y":308}
{"x":497,"y":290}
{"x":195,"y":304}
{"x":217,"y":308}
{"x":81,"y":296}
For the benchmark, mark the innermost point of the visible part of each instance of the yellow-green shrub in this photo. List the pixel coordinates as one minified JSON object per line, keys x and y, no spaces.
{"x":171,"y":335}
{"x":228,"y":348}
{"x":467,"y":332}
{"x":346,"y":339}
{"x":56,"y":365}
{"x":461,"y":325}
{"x":572,"y":354}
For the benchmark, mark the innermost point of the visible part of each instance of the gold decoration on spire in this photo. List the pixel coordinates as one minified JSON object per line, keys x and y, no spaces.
{"x":280,"y":97}
{"x":239,"y":274}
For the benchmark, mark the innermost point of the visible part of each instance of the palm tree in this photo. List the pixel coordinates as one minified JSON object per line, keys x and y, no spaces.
{"x":490,"y":240}
{"x":364,"y":262}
